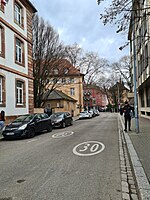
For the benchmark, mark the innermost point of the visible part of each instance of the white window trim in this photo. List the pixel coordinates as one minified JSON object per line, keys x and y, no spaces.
{"x":19,"y":51}
{"x":19,"y":92}
{"x":1,"y":88}
{"x":18,"y":14}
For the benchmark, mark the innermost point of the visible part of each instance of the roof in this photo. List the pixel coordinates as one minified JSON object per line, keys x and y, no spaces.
{"x":62,"y":64}
{"x":31,"y":5}
{"x":57,"y":95}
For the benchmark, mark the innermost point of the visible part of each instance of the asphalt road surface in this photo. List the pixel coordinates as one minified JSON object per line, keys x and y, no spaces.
{"x":79,"y":162}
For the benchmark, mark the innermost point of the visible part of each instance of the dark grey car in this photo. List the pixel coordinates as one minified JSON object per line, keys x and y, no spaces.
{"x":27,"y":126}
{"x":61,"y":119}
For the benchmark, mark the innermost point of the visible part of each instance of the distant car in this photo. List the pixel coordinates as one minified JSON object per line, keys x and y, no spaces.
{"x":92,"y":112}
{"x":27,"y":126}
{"x":96,"y":112}
{"x":61,"y":119}
{"x":85,"y":114}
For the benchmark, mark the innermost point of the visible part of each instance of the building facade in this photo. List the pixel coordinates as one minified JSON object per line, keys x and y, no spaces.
{"x":16,"y":68}
{"x":93,"y":97}
{"x":69,"y":81}
{"x":139,"y":36}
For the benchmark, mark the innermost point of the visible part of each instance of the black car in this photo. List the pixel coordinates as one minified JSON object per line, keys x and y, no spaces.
{"x":61,"y":119}
{"x":27,"y":126}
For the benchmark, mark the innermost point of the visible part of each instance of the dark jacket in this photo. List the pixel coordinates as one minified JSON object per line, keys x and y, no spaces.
{"x":127,"y":109}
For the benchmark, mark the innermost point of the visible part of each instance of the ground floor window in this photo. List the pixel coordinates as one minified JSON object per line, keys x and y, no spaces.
{"x":20,"y":93}
{"x":2,"y":91}
{"x":148,"y":96}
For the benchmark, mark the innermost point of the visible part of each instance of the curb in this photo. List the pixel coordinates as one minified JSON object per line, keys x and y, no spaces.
{"x":140,"y":176}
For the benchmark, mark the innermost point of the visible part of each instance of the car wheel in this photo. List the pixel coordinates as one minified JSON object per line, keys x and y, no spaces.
{"x":49,"y":129}
{"x":31,"y":133}
{"x":63,"y":124}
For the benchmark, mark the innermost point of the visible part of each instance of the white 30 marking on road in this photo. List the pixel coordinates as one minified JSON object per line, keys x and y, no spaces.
{"x":63,"y":134}
{"x":33,"y":140}
{"x":88,"y":148}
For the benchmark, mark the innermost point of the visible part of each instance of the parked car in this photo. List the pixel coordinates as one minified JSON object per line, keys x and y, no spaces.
{"x":27,"y":126}
{"x":61,"y":119}
{"x":96,"y":112}
{"x":92,"y":112}
{"x":85,"y":114}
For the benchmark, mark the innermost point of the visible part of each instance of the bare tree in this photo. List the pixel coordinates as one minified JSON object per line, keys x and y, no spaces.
{"x":92,"y":67}
{"x":122,"y":68}
{"x":73,"y":54}
{"x":118,"y":12}
{"x":46,"y":51}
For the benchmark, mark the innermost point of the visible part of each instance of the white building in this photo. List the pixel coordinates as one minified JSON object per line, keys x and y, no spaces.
{"x":139,"y":36}
{"x":16,"y":69}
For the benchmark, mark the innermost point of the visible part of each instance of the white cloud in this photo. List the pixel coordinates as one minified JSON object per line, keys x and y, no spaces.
{"x":78,"y":22}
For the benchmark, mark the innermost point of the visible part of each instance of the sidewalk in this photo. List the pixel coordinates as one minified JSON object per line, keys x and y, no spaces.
{"x":138,"y":145}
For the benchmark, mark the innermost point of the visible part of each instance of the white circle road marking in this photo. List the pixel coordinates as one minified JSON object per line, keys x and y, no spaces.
{"x":89,"y":148}
{"x":63,"y":134}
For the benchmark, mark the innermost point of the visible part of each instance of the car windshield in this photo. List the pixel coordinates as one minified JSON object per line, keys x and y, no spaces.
{"x":84,"y":112}
{"x":24,"y":118}
{"x":56,"y":115}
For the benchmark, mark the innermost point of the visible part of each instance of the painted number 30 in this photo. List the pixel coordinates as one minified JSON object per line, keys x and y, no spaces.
{"x":93,"y":148}
{"x":88,"y":148}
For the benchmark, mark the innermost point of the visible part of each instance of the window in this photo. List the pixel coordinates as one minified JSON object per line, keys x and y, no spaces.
{"x":63,"y":80}
{"x":55,"y":71}
{"x":18,"y":14}
{"x":66,"y":70}
{"x":142,"y":98}
{"x":19,"y":54}
{"x":2,"y":91}
{"x":20,"y":93}
{"x":148,"y":96}
{"x":72,"y":80}
{"x":72,"y":91}
{"x":146,"y":55}
{"x":2,"y":5}
{"x":2,"y":41}
{"x":55,"y":80}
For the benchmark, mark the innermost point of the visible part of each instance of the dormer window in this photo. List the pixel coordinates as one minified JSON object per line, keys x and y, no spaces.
{"x":55,"y":71}
{"x":66,"y":70}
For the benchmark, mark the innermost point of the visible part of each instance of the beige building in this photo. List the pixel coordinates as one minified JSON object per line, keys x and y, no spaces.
{"x":139,"y":36}
{"x":16,"y":68}
{"x":70,"y":82}
{"x":58,"y":101}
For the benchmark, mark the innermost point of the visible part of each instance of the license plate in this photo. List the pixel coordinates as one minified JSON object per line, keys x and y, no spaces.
{"x":11,"y":133}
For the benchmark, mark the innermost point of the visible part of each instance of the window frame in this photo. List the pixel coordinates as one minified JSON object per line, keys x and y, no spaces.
{"x":2,"y":7}
{"x":66,"y":70}
{"x":20,"y":21}
{"x":2,"y":41}
{"x":56,"y":71}
{"x":2,"y":91}
{"x":22,"y":102}
{"x":72,"y":91}
{"x":22,"y":63}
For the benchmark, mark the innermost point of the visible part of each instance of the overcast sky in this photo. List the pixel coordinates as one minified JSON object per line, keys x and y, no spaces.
{"x":77,"y":21}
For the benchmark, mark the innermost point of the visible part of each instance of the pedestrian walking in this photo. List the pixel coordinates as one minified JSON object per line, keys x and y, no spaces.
{"x":128,"y":110}
{"x":121,"y":111}
{"x":2,"y":119}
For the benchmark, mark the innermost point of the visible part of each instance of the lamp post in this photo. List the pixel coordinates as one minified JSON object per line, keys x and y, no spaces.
{"x":134,"y":78}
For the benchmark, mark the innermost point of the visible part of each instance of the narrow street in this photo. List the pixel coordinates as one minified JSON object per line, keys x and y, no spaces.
{"x":46,"y":167}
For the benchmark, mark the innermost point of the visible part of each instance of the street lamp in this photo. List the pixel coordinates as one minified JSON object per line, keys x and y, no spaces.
{"x":134,"y":78}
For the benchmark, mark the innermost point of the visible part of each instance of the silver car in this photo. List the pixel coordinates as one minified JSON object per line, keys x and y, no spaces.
{"x":85,"y":114}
